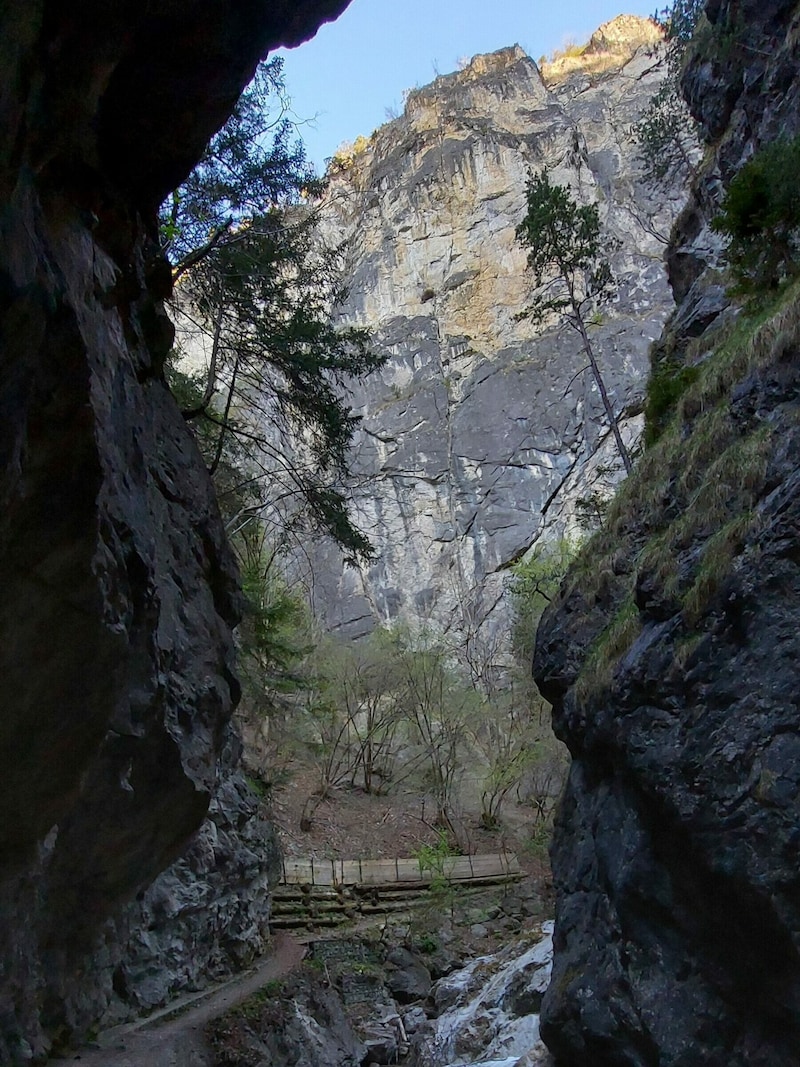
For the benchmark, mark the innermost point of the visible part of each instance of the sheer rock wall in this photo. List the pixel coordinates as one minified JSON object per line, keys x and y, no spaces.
{"x":676,"y":939}
{"x":119,"y":592}
{"x":481,"y":432}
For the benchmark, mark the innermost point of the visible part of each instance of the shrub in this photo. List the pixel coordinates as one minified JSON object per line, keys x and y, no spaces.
{"x":668,"y":381}
{"x":761,"y":217}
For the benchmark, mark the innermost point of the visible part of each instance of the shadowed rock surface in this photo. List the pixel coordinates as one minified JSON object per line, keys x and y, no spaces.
{"x":119,"y":592}
{"x":672,"y":659}
{"x":207,"y":914}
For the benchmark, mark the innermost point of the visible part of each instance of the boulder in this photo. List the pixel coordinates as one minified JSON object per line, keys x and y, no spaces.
{"x":406,"y":976}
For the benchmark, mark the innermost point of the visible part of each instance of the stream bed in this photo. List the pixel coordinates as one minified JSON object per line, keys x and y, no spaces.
{"x":486,"y":1013}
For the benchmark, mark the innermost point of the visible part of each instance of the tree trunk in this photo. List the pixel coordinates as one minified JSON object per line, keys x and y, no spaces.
{"x":612,"y":418}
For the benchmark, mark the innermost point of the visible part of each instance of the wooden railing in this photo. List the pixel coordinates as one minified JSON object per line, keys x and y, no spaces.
{"x":326,"y":872}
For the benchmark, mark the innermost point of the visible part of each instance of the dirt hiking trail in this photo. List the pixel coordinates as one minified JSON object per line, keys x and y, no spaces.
{"x":175,"y":1036}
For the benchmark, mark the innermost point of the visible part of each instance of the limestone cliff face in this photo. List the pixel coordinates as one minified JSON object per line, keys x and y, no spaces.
{"x":482,"y":432}
{"x":119,"y":592}
{"x":672,"y":660}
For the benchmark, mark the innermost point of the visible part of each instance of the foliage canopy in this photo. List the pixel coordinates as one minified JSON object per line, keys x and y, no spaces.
{"x":253,"y":163}
{"x":535,"y":583}
{"x":679,"y":20}
{"x":563,"y":242}
{"x":257,"y":287}
{"x":667,"y":132}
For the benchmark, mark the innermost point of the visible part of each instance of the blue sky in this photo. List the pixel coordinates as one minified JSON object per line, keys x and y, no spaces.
{"x":342,"y":81}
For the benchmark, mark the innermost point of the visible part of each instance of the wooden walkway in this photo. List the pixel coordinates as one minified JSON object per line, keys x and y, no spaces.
{"x":324,"y":893}
{"x":319,"y":872}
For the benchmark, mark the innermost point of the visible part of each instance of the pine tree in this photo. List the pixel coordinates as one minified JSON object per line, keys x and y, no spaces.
{"x":571,"y":275}
{"x":667,"y":132}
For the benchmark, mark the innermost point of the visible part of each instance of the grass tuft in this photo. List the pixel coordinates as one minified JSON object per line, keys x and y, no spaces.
{"x":690,"y":507}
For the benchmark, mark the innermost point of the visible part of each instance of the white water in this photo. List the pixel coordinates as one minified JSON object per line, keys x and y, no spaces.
{"x":479,"y":1024}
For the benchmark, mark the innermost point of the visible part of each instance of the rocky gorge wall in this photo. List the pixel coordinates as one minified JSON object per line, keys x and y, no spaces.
{"x":119,"y":591}
{"x":671,"y":657}
{"x":482,"y":433}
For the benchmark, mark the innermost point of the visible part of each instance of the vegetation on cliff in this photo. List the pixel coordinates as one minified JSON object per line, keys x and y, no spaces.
{"x":667,"y":132}
{"x":677,"y":526}
{"x":691,"y":507}
{"x":671,"y":655}
{"x":760,"y":216}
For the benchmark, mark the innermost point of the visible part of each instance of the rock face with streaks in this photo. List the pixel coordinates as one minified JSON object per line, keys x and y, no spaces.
{"x":482,"y":432}
{"x":673,"y":663}
{"x":119,"y":592}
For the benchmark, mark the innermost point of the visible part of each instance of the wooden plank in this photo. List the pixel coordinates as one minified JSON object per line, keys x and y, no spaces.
{"x":378,"y":872}
{"x":407,"y":870}
{"x":298,"y":872}
{"x":323,"y":872}
{"x":351,"y":872}
{"x":456,"y":868}
{"x":483,"y":866}
{"x":512,"y":863}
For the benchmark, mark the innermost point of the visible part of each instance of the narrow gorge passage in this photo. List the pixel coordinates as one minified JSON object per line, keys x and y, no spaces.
{"x":137,"y":851}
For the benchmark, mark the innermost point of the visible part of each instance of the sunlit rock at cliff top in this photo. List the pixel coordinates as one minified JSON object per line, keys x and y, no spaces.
{"x":483,"y":433}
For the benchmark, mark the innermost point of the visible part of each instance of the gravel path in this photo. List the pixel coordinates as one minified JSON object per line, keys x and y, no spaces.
{"x":175,"y":1036}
